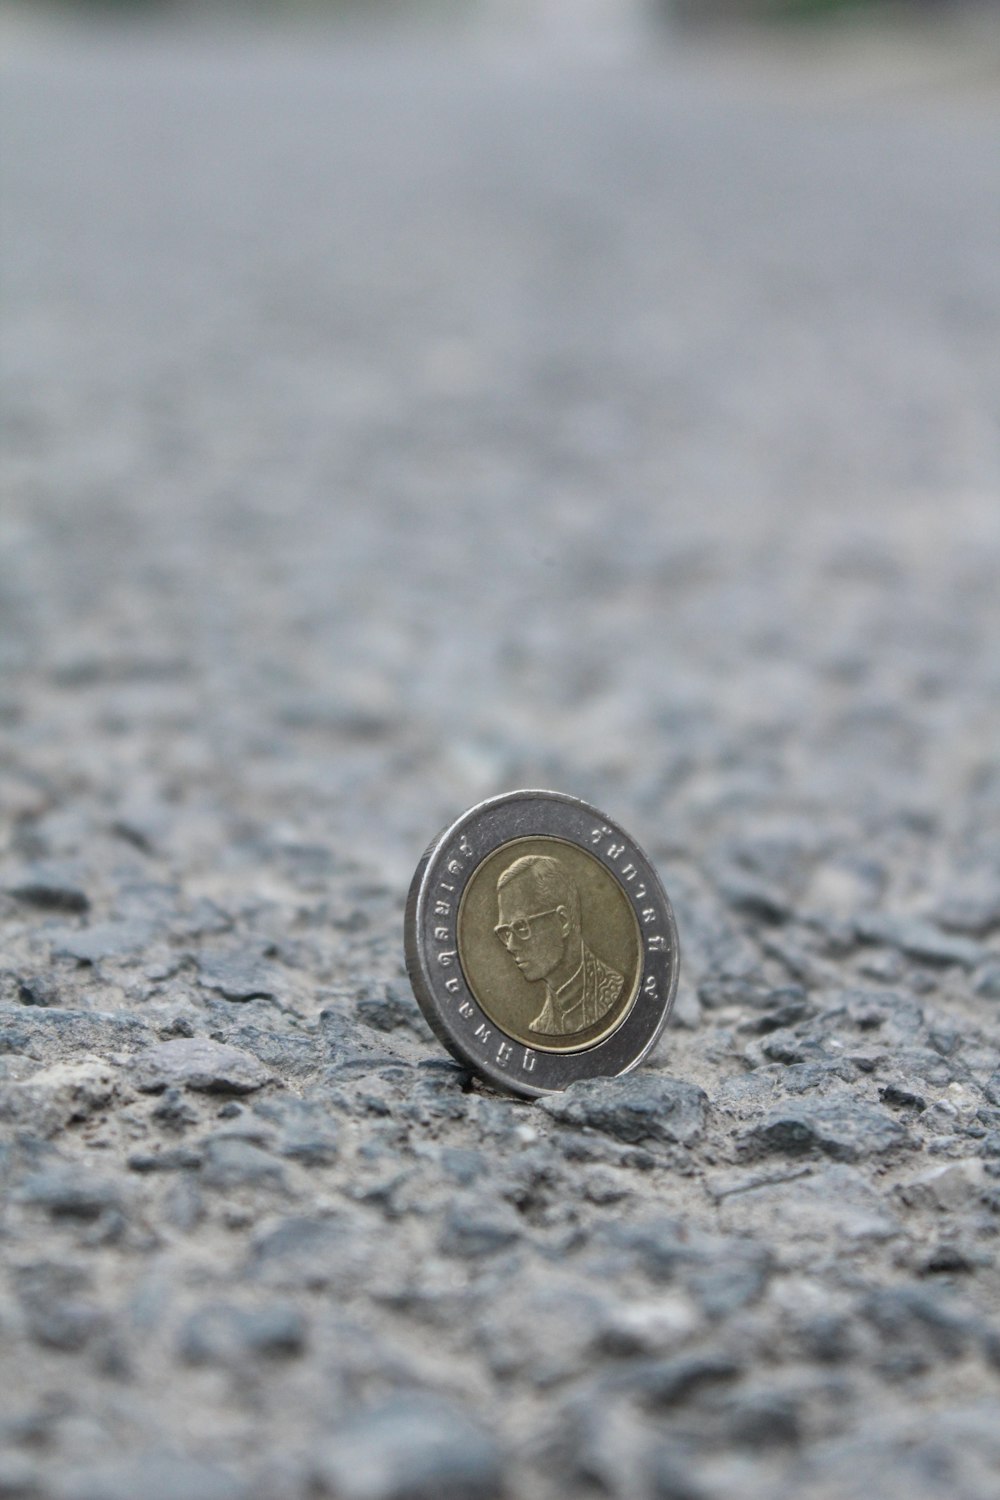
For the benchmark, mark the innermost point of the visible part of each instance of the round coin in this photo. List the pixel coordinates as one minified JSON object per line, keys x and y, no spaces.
{"x":540,"y":944}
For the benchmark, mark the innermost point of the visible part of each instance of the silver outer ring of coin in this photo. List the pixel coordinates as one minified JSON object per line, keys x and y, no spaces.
{"x":431,"y":942}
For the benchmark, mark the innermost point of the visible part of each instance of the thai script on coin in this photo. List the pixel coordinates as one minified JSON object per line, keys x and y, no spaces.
{"x":540,"y":944}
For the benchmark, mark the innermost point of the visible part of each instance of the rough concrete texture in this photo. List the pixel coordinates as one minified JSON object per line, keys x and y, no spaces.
{"x":391,"y":424}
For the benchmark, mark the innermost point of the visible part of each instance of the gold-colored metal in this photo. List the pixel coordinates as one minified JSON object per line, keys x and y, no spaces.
{"x":549,"y":944}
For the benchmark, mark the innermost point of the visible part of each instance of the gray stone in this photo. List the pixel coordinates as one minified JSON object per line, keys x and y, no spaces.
{"x":639,"y":1107}
{"x":167,"y":1159}
{"x":948,"y":1188}
{"x":220,"y":1334}
{"x":763,"y":1419}
{"x":546,"y":1338}
{"x":57,"y":1034}
{"x":413,"y":1448}
{"x":819,"y":1203}
{"x":153,"y":1476}
{"x":174,"y":1112}
{"x":920,"y":940}
{"x":948,"y":1259}
{"x":976,"y":915}
{"x":805,"y":1077}
{"x":275,"y":1331}
{"x":900,"y":1459}
{"x":647,"y":1325}
{"x":20,"y":1478}
{"x":66,"y":1193}
{"x":988,"y":982}
{"x":183,"y":1205}
{"x":50,"y":887}
{"x":57,"y":1299}
{"x":389,"y":1009}
{"x":351,"y":1047}
{"x":104,"y":940}
{"x":843,"y":1128}
{"x":720,"y":1276}
{"x":462,"y":1166}
{"x":288,"y":1053}
{"x":35,"y":989}
{"x":731,"y":1279}
{"x":888,"y":1017}
{"x":66,"y":1324}
{"x":742,"y":991}
{"x":661,"y":1246}
{"x":60,"y":1095}
{"x":200,"y":1064}
{"x":663,"y":1383}
{"x":230,"y":1162}
{"x":915,"y":1328}
{"x":784,"y":1009}
{"x":477,"y":1226}
{"x":923,"y":1063}
{"x":753,"y":895}
{"x":238,"y":976}
{"x":900,"y":1096}
{"x":669,"y":1478}
{"x":595,"y":1446}
{"x":302,"y":1253}
{"x":306,"y":1132}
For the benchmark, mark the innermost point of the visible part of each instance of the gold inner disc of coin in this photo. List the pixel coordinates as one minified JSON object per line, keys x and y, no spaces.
{"x":549,"y":944}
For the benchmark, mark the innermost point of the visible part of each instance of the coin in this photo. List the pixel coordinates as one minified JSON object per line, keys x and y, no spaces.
{"x":540,"y":944}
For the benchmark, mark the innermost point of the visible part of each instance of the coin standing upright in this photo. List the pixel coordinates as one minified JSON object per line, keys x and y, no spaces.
{"x":540,"y":944}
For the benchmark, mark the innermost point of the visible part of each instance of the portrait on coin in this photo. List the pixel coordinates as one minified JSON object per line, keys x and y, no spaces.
{"x":540,"y":923}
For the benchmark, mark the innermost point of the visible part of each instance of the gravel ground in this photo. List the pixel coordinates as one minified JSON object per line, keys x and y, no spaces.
{"x":390,"y":424}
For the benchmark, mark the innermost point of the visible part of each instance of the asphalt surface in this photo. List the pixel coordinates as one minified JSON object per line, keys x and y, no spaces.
{"x":391,"y":423}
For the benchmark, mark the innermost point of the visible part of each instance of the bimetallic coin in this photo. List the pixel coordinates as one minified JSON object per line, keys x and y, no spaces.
{"x":540,"y":944}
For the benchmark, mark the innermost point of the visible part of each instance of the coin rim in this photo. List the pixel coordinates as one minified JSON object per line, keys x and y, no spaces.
{"x":610,"y":1057}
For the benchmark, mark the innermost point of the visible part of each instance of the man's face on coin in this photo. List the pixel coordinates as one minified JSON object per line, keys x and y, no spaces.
{"x":535,"y":940}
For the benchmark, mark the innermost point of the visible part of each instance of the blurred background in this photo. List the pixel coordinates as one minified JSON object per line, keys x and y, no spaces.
{"x":407,"y":400}
{"x":404,"y":401}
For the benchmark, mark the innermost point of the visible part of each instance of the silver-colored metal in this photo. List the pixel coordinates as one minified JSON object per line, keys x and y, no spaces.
{"x":591,"y":981}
